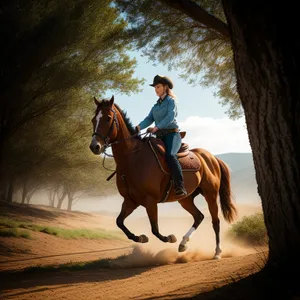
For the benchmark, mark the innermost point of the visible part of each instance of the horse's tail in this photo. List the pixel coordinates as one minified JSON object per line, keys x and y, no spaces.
{"x":227,"y":206}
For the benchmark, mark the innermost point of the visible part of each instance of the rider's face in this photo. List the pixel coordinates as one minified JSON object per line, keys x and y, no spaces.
{"x":160,"y":89}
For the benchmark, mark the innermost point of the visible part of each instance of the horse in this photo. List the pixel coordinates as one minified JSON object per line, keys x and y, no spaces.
{"x":143,"y":177}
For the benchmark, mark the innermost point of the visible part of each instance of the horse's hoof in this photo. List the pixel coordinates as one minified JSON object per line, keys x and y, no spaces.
{"x":172,"y":238}
{"x":182,"y":248}
{"x":217,"y":256}
{"x":143,"y":239}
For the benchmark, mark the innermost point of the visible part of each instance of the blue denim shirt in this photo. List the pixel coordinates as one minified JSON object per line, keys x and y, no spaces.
{"x":163,"y":114}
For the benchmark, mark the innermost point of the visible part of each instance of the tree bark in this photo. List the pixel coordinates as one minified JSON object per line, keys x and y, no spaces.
{"x":266,"y":53}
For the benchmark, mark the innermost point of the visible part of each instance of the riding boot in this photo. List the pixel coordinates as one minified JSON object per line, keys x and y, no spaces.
{"x":177,"y":176}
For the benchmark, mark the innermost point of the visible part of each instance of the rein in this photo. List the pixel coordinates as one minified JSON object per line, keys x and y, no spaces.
{"x":106,"y":146}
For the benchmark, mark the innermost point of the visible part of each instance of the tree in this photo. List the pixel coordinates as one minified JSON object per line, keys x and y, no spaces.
{"x":55,"y":54}
{"x":53,"y":50}
{"x":203,"y":55}
{"x":266,"y":57}
{"x":266,"y":60}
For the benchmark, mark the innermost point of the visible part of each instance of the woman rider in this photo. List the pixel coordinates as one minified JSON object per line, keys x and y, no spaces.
{"x":164,"y":113}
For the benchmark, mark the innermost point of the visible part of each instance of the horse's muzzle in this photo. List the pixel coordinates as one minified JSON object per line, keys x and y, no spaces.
{"x":95,"y":148}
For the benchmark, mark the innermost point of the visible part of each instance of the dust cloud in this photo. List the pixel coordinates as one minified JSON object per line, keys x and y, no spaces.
{"x":200,"y":247}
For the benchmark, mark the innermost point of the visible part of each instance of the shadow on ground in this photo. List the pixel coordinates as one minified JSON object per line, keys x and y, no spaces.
{"x":259,"y":286}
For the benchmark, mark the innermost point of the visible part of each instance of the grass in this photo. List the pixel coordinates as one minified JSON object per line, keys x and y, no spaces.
{"x":14,"y":232}
{"x":10,"y":227}
{"x":250,"y":230}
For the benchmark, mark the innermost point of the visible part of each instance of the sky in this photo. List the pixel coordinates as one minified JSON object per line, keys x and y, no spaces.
{"x":199,"y":112}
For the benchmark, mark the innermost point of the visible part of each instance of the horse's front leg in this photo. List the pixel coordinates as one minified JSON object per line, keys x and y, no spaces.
{"x":151,"y":208}
{"x":128,"y":207}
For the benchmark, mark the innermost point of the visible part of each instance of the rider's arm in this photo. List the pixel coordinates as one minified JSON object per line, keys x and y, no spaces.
{"x":147,"y":121}
{"x":170,"y":116}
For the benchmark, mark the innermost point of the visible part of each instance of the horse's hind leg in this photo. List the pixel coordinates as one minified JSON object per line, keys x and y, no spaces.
{"x":151,"y":208}
{"x":128,"y":207}
{"x":189,"y":205}
{"x":213,"y":209}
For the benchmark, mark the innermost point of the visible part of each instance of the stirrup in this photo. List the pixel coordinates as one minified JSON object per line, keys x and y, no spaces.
{"x":180,"y":191}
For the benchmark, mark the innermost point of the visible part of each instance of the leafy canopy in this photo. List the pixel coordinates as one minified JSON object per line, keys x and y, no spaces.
{"x":168,"y":36}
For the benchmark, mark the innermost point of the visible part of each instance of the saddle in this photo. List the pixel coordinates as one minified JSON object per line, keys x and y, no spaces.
{"x":188,"y":160}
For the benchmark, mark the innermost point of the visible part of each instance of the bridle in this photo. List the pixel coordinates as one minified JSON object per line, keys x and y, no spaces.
{"x":106,"y":139}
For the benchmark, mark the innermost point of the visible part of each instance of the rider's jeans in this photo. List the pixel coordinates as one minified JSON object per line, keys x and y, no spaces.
{"x":172,"y":142}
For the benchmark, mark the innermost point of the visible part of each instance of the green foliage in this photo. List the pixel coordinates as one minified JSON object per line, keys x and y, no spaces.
{"x":78,"y":233}
{"x":14,"y":232}
{"x":10,"y":227}
{"x":250,"y":230}
{"x":56,"y":56}
{"x":174,"y":39}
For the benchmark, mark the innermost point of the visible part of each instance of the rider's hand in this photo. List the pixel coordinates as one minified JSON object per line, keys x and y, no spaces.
{"x":137,"y":129}
{"x":152,"y":129}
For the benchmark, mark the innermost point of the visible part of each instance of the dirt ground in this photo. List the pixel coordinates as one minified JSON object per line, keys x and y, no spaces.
{"x":149,"y":271}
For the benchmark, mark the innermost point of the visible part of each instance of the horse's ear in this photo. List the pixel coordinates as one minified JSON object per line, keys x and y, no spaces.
{"x":96,"y":101}
{"x":111,"y":101}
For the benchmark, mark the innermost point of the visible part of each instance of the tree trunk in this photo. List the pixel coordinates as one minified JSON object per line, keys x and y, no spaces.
{"x":24,"y":191}
{"x":29,"y":197}
{"x":70,"y":202}
{"x":10,"y":190}
{"x":51,"y":198}
{"x":61,"y":199}
{"x":266,"y":52}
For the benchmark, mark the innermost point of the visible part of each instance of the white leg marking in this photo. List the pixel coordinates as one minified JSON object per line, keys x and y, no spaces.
{"x":187,"y":236}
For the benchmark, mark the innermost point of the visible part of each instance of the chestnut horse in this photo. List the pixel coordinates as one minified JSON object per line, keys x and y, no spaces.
{"x":141,"y":180}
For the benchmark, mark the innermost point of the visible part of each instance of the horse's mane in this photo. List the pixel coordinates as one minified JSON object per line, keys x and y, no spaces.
{"x":126,"y":119}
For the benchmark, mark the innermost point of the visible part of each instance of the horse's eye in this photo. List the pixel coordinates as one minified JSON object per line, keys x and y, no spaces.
{"x":108,"y":119}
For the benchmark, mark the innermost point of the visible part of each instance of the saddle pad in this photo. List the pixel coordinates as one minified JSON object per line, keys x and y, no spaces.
{"x":190,"y":162}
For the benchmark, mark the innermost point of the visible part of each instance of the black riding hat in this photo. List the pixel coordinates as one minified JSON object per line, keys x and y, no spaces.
{"x":163,"y":80}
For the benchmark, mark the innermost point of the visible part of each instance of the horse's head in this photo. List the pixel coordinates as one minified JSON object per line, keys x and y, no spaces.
{"x":105,"y":125}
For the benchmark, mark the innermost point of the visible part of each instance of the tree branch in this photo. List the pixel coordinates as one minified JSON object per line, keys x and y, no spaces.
{"x":197,"y":13}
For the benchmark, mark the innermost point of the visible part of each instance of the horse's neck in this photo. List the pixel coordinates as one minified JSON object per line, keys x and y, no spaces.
{"x":126,"y":144}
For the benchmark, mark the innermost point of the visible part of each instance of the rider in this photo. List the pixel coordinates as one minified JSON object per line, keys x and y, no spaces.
{"x":164,"y":113}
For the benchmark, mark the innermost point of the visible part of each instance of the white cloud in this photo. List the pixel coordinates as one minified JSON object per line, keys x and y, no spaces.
{"x":216,"y":135}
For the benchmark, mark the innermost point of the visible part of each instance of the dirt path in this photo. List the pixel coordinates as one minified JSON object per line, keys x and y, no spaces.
{"x":180,"y":280}
{"x":148,"y":271}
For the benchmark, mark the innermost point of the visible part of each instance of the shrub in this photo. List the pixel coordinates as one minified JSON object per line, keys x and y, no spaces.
{"x":250,"y":230}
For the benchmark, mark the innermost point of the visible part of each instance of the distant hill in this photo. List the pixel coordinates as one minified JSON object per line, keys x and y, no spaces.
{"x":237,"y":161}
{"x":243,"y":179}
